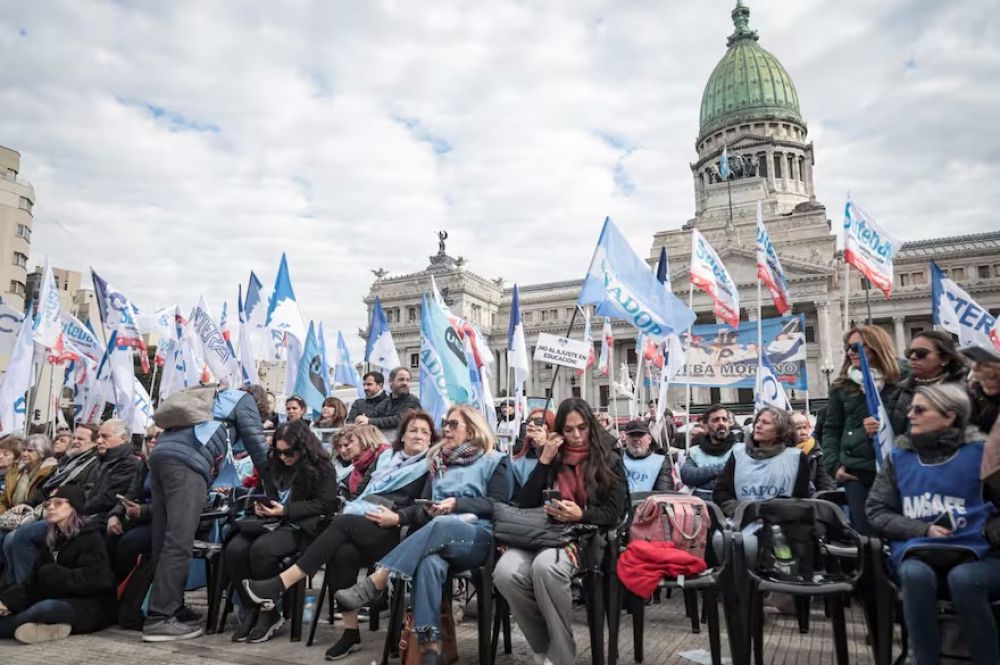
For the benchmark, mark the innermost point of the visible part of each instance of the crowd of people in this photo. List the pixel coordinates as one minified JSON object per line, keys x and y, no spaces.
{"x":382,"y":487}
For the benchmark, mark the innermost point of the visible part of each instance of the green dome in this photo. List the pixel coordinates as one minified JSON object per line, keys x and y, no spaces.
{"x":748,"y":83}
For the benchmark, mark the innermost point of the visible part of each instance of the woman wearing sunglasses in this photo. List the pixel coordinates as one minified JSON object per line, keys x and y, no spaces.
{"x":579,"y":462}
{"x":933,"y":359}
{"x":454,"y":531}
{"x":537,"y":426}
{"x":307,"y":485}
{"x":71,"y":588}
{"x":367,"y":529}
{"x":848,"y":449}
{"x":928,"y":496}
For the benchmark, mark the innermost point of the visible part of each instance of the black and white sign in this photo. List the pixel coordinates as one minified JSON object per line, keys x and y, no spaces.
{"x":561,"y":351}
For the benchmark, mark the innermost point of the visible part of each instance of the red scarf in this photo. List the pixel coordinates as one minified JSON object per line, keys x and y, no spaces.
{"x":570,"y":479}
{"x":361,"y":467}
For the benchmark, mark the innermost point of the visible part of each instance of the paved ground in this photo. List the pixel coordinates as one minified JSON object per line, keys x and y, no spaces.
{"x":668,"y":638}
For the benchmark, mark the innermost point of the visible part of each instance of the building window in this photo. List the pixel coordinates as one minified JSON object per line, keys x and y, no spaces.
{"x":569,"y":313}
{"x":553,"y":314}
{"x":526,"y":317}
{"x":25,"y":204}
{"x":411,"y":314}
{"x":23,"y":231}
{"x":17,"y":288}
{"x":20,"y":260}
{"x":810,"y":336}
{"x":414,"y":360}
{"x":904,"y":279}
{"x":544,"y":314}
{"x":744,"y":395}
{"x":983,"y":271}
{"x":605,"y":392}
{"x":762,"y":160}
{"x":996,"y":270}
{"x":918,"y":278}
{"x":916,"y":330}
{"x":957,"y":273}
{"x":777,"y":165}
{"x":630,"y":356}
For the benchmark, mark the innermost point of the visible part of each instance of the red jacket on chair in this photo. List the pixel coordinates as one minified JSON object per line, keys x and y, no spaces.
{"x":643,"y":564}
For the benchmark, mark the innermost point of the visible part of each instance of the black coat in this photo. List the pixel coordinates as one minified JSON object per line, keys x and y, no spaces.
{"x":899,"y":405}
{"x":389,"y":413}
{"x":114,"y":475}
{"x":78,"y":573}
{"x":74,"y":470}
{"x":605,"y":511}
{"x":313,"y":496}
{"x":365,"y":407}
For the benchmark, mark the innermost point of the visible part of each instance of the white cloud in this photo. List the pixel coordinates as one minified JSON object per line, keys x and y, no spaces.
{"x":180,"y":145}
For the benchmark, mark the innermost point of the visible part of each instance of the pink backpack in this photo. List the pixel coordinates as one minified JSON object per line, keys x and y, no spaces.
{"x":681,"y":519}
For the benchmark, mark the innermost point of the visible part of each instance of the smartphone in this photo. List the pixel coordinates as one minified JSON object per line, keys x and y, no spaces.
{"x":423,"y":503}
{"x":947,"y":520}
{"x":122,"y":498}
{"x":980,"y":354}
{"x":551,"y":495}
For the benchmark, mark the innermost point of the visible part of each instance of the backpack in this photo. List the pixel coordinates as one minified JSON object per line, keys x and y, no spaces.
{"x":186,"y":408}
{"x":797,"y":523}
{"x":133,"y":594}
{"x":681,"y":519}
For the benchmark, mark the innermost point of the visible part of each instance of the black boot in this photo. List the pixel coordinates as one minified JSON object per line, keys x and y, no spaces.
{"x":348,"y":643}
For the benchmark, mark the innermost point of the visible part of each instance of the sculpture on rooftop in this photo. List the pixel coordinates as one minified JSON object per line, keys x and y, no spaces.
{"x":442,"y":236}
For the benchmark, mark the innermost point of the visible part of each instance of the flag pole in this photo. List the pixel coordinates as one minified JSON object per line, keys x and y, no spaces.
{"x":760,"y":323}
{"x":612,"y":402}
{"x":52,"y":389}
{"x":847,"y":304}
{"x":152,"y":381}
{"x":32,"y":396}
{"x":555,"y":373}
{"x":867,"y":284}
{"x":687,"y":409}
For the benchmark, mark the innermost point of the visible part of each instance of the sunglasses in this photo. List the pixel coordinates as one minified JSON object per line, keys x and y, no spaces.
{"x":852,"y":348}
{"x":285,"y":452}
{"x":918,"y":409}
{"x":919,"y":354}
{"x":54,"y":503}
{"x":537,"y":422}
{"x":451,"y":424}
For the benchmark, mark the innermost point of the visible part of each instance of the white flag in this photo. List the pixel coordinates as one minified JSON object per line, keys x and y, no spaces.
{"x":17,"y":381}
{"x":47,"y":322}
{"x":709,"y":274}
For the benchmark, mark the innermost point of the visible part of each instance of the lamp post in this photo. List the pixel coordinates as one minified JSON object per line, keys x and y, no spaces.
{"x":827,"y":369}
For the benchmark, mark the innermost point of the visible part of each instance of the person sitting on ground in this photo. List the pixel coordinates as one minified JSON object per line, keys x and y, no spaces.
{"x":71,"y":588}
{"x":577,"y":459}
{"x":928,"y":495}
{"x":933,"y":358}
{"x":25,"y":479}
{"x":366,"y":531}
{"x":645,"y":470}
{"x":332,"y":414}
{"x":466,"y":477}
{"x":537,"y":426}
{"x":130,"y":529}
{"x":365,"y":444}
{"x":819,"y":479}
{"x":373,"y":384}
{"x":710,"y":450}
{"x":767,"y":467}
{"x":10,"y":450}
{"x":307,"y":486}
{"x":389,"y":413}
{"x":341,"y":443}
{"x":79,"y":466}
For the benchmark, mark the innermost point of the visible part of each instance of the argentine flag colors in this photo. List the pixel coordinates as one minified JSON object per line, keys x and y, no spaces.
{"x":769,"y":391}
{"x":284,"y":319}
{"x":884,"y":439}
{"x":444,"y":372}
{"x":769,"y":267}
{"x":517,"y":348}
{"x":868,"y":247}
{"x":607,"y":341}
{"x":47,"y":326}
{"x":380,"y":349}
{"x":710,"y":275}
{"x":954,"y":310}
{"x":310,"y":384}
{"x":344,"y":370}
{"x":622,"y":286}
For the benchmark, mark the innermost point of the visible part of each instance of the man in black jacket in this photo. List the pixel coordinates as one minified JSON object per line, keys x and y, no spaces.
{"x":389,"y":413}
{"x":374,"y":395}
{"x":80,"y":463}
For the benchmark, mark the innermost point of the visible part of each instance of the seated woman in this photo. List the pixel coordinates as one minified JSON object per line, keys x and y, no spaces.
{"x":364,"y":445}
{"x":929,"y":494}
{"x":768,"y":466}
{"x":23,"y":487}
{"x":466,"y":477}
{"x":305,"y":480}
{"x":10,"y":449}
{"x":367,"y":530}
{"x":130,"y":523}
{"x":578,"y":460}
{"x":537,"y":426}
{"x":331,"y":415}
{"x":341,"y":444}
{"x":71,"y":588}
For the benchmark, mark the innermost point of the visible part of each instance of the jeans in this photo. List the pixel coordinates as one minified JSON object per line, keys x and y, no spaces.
{"x":178,"y":496}
{"x":44,"y":611}
{"x":972,"y":587}
{"x":857,"y":494}
{"x":447,"y":542}
{"x":20,"y":549}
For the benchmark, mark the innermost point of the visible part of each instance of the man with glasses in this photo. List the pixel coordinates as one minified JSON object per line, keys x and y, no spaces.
{"x":373,"y":386}
{"x":645,"y":470}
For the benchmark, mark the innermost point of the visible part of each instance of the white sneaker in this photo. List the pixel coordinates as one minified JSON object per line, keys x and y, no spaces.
{"x":36,"y":633}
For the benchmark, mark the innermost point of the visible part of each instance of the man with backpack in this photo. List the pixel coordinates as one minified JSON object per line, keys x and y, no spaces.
{"x":201,"y":424}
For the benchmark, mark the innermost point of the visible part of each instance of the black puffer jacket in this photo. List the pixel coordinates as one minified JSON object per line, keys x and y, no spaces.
{"x":389,"y":413}
{"x":79,"y":572}
{"x":366,"y":407}
{"x":903,"y":398}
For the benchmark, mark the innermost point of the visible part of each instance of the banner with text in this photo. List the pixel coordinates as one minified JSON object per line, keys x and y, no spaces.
{"x":562,"y":351}
{"x":719,"y":356}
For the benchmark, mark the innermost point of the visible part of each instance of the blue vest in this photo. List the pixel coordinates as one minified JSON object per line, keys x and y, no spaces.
{"x":761,"y":479}
{"x":927,"y":491}
{"x":522,"y":467}
{"x":642,"y":473}
{"x":701,"y":458}
{"x":382,"y":483}
{"x":467,"y":481}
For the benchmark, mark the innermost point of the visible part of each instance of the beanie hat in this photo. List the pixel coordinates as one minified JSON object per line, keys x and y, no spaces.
{"x":73,"y":494}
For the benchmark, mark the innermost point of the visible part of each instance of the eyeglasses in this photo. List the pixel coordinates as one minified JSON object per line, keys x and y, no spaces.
{"x":579,"y":429}
{"x":852,"y":348}
{"x":55,"y":502}
{"x":537,"y":422}
{"x":919,"y":354}
{"x":451,"y":424}
{"x":918,"y":409}
{"x":284,"y":452}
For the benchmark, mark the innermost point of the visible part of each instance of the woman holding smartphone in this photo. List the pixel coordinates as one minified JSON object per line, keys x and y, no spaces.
{"x":579,"y":478}
{"x":454,"y":531}
{"x":367,"y":530}
{"x":537,"y":426}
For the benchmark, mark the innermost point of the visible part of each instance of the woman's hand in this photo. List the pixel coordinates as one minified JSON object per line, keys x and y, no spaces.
{"x":275,"y":509}
{"x":132,"y":509}
{"x":564,"y":510}
{"x":115,"y":526}
{"x":550,"y":448}
{"x":871,"y":426}
{"x":842,"y":476}
{"x":445,"y":507}
{"x":384,"y":517}
{"x":3,"y":610}
{"x":937,"y":531}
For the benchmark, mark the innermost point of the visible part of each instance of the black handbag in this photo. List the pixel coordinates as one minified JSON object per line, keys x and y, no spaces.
{"x":532,"y":530}
{"x":254,"y":526}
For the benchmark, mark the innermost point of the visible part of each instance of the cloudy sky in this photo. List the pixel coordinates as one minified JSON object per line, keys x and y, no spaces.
{"x":175,"y":146}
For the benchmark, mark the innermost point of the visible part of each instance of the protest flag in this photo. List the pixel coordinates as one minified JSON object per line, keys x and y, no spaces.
{"x":344,"y":370}
{"x":884,"y":437}
{"x":380,"y":349}
{"x":17,"y":380}
{"x":709,"y":274}
{"x":869,"y":247}
{"x":769,"y":268}
{"x":310,"y":385}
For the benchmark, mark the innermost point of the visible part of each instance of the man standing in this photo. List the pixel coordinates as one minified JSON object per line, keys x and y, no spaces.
{"x":182,"y":466}
{"x":390,"y":412}
{"x":645,"y":470}
{"x":709,"y":452}
{"x":373,"y":386}
{"x":819,"y":479}
{"x":663,"y":432}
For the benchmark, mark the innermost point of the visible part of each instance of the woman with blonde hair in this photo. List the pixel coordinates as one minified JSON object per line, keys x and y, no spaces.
{"x":364,"y":444}
{"x":454,"y":531}
{"x":848,"y":449}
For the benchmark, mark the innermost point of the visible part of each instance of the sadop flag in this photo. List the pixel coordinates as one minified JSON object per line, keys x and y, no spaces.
{"x":47,"y":326}
{"x":344,"y":370}
{"x":621,"y":285}
{"x":141,"y":416}
{"x":310,"y":385}
{"x":769,"y":267}
{"x":122,"y":379}
{"x":248,"y":363}
{"x":10,"y":324}
{"x":663,"y":268}
{"x":118,"y":314}
{"x":607,"y":342}
{"x":868,"y":247}
{"x":216,"y":350}
{"x":284,"y":319}
{"x":709,"y":274}
{"x":17,"y":380}
{"x":955,"y":310}
{"x":253,"y":308}
{"x":588,"y":337}
{"x":444,"y":371}
{"x":380,"y":350}
{"x":324,"y":363}
{"x":884,"y":438}
{"x":769,"y":391}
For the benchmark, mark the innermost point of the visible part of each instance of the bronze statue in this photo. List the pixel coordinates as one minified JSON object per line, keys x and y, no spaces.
{"x":442,"y":236}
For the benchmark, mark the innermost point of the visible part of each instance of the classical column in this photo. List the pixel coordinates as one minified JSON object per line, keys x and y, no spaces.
{"x":769,"y":156}
{"x":823,"y":332}
{"x":897,"y":322}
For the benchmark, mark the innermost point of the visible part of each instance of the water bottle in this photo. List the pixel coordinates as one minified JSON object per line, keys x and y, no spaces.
{"x":309,"y":611}
{"x":784,"y":561}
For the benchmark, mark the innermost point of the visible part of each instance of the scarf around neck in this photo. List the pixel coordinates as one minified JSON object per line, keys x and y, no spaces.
{"x":715,"y":448}
{"x":571,"y":478}
{"x":855,"y":375}
{"x":463,"y":454}
{"x":397,"y":461}
{"x":806,"y":446}
{"x":361,"y":467}
{"x":757,"y":451}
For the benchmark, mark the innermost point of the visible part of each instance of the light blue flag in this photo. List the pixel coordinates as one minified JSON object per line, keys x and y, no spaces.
{"x":724,"y":171}
{"x":254,"y":313}
{"x":344,"y":370}
{"x":768,"y":391}
{"x":380,"y":350}
{"x":310,"y":385}
{"x":444,"y":370}
{"x":884,"y":438}
{"x":623,"y":287}
{"x":326,"y":365}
